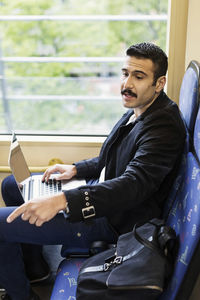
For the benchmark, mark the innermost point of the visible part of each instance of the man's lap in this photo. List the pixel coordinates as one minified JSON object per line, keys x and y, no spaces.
{"x":56,"y":231}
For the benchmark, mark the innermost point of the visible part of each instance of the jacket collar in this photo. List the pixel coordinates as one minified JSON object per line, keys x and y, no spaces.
{"x":159,"y":103}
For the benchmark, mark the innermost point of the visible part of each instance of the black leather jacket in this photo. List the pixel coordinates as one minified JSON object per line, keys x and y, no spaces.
{"x":141,"y":159}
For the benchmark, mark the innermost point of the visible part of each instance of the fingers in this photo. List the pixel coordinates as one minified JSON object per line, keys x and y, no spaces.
{"x":25,"y":215}
{"x":16,"y":213}
{"x":48,"y":173}
{"x":51,"y":170}
{"x":34,"y":220}
{"x":39,"y":223}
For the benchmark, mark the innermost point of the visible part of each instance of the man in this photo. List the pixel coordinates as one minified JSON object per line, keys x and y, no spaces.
{"x":136,"y":166}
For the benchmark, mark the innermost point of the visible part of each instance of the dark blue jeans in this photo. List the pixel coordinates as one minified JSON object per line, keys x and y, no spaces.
{"x":57,"y":231}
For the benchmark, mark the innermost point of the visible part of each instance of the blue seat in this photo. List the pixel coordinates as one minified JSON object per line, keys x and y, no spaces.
{"x":66,"y":279}
{"x":183,"y":206}
{"x":189,"y":95}
{"x":183,"y":203}
{"x":184,"y":217}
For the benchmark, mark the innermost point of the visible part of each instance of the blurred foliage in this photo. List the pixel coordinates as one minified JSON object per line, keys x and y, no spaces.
{"x":71,"y":39}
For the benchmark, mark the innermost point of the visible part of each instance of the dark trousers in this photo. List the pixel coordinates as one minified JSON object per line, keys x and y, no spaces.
{"x":57,"y":231}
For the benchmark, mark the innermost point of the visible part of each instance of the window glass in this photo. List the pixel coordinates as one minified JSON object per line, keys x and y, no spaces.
{"x":60,"y":61}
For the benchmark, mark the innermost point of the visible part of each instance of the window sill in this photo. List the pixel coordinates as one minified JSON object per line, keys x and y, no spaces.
{"x":40,"y":150}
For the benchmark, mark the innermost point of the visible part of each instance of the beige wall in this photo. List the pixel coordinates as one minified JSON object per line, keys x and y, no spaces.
{"x":183,"y":41}
{"x":177,"y":34}
{"x":193,"y":41}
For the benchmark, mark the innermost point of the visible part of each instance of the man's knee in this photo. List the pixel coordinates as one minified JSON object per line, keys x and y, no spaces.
{"x":7,"y":184}
{"x":10,"y":192}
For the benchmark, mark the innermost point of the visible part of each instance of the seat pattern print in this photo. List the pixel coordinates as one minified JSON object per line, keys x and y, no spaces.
{"x":66,"y":279}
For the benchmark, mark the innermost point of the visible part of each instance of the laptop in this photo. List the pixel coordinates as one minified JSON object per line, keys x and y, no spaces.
{"x":31,"y":185}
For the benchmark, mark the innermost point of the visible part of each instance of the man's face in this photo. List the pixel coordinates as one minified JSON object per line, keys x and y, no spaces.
{"x":138,"y":91}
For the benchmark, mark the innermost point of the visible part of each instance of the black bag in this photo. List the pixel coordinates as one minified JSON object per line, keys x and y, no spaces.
{"x":137,"y":268}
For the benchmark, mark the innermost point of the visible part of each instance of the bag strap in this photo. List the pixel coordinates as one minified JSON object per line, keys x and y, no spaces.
{"x":110,"y":262}
{"x":146,"y":242}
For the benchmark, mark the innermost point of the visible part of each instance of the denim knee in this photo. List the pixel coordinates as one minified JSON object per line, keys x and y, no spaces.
{"x":10,"y":192}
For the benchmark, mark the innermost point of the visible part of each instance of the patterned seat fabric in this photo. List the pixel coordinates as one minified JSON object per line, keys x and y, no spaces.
{"x":184,"y":217}
{"x":184,"y":198}
{"x":66,"y":279}
{"x":189,"y":95}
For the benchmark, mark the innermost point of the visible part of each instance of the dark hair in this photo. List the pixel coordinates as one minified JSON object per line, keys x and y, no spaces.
{"x":152,"y":52}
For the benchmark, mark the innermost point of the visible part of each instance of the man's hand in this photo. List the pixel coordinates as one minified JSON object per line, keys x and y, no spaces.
{"x":66,"y":172}
{"x":38,"y":211}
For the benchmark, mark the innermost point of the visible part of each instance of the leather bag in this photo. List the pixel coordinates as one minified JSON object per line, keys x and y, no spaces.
{"x":137,"y":268}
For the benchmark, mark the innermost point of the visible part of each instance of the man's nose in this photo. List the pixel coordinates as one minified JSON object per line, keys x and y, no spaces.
{"x":128,"y":83}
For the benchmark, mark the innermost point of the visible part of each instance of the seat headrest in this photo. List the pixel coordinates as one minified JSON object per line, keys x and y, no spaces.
{"x":189,"y":95}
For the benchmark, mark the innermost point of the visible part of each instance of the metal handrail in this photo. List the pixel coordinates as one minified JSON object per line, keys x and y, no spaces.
{"x":61,"y":97}
{"x":39,"y":59}
{"x":138,"y":17}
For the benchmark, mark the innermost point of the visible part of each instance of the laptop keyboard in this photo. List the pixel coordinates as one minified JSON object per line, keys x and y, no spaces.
{"x":37,"y":188}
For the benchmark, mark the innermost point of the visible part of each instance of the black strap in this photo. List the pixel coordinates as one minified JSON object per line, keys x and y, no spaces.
{"x":147,"y":243}
{"x":116,"y":260}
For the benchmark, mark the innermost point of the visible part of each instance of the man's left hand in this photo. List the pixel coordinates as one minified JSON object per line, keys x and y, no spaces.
{"x":39,"y":210}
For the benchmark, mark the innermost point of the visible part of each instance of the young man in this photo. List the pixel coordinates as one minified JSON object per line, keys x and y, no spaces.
{"x":136,"y":166}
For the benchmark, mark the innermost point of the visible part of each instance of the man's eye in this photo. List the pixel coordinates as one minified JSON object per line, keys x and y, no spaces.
{"x":139,"y":77}
{"x":124,"y":74}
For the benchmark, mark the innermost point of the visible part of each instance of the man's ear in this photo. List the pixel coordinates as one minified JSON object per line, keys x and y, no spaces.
{"x":160,"y":83}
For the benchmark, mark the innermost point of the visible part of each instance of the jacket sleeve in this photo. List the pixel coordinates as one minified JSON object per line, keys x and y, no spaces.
{"x":159,"y":143}
{"x":88,"y":168}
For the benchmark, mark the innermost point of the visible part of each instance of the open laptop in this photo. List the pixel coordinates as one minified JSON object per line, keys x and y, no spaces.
{"x":31,"y":185}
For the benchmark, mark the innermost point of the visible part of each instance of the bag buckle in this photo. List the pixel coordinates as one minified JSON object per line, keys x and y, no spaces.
{"x":106,"y":266}
{"x":118,"y":260}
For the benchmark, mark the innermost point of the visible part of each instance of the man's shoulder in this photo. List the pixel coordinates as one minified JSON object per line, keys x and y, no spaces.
{"x":165,"y":113}
{"x":165,"y":107}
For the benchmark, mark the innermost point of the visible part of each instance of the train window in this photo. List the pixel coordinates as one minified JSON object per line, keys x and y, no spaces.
{"x":60,"y":61}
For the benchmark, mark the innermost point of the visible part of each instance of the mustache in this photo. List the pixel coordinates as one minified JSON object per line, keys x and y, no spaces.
{"x":129,"y":92}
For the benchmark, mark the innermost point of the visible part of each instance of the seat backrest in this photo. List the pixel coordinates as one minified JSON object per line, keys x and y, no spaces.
{"x":183,"y":205}
{"x":189,"y":94}
{"x":184,"y":217}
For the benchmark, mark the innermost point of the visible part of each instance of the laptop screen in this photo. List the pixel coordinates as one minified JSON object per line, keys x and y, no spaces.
{"x":17,"y":162}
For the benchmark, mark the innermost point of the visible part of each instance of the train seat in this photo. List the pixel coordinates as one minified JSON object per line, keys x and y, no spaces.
{"x":184,"y":198}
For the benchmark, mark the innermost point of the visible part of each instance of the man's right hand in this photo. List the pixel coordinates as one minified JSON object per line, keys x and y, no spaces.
{"x":66,"y":172}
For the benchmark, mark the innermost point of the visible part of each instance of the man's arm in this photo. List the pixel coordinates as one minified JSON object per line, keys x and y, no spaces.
{"x":159,"y":144}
